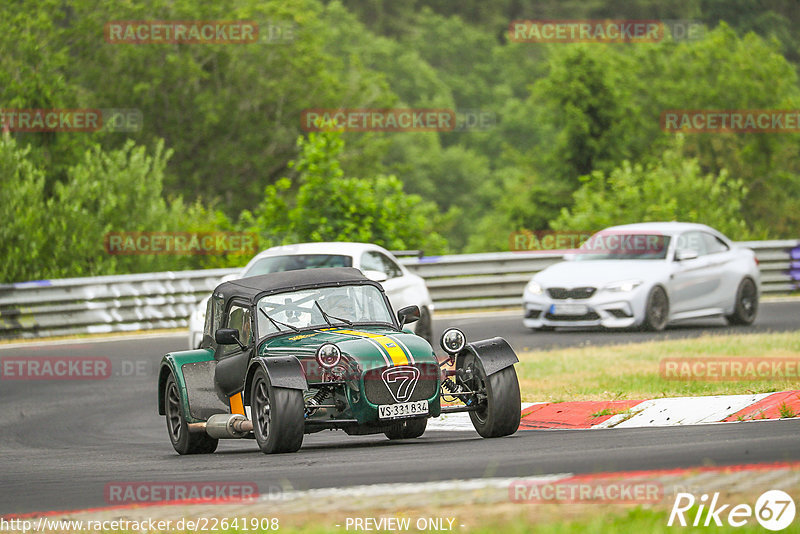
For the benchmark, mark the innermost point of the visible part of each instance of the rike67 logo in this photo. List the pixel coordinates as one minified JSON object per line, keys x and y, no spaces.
{"x":774,"y":510}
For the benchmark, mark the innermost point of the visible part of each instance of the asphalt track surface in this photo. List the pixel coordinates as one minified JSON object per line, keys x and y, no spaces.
{"x":62,"y":442}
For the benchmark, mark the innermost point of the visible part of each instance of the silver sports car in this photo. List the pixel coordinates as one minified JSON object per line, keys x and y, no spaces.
{"x":646,"y":275}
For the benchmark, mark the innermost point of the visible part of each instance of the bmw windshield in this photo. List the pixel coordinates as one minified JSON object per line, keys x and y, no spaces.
{"x":624,"y":246}
{"x":296,"y":262}
{"x":322,"y":307}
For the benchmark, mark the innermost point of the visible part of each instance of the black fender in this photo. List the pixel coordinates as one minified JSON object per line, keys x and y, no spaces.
{"x":229,"y":373}
{"x":495,"y":354}
{"x":283,"y":372}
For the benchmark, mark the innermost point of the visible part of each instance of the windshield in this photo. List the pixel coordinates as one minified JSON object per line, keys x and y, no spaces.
{"x":320,"y":308}
{"x":624,"y":246}
{"x":296,"y":262}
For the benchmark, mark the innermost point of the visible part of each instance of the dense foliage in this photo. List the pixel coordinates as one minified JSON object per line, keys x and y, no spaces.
{"x":575,"y":141}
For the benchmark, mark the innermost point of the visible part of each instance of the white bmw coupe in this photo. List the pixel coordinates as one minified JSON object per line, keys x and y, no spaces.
{"x":402,"y":287}
{"x":646,"y":275}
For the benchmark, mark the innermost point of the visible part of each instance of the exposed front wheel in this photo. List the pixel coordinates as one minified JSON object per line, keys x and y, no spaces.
{"x":424,"y":328}
{"x":407,"y":429}
{"x":182,"y":440}
{"x":277,"y":415}
{"x":656,"y":312}
{"x":498,"y":399}
{"x":746,"y":307}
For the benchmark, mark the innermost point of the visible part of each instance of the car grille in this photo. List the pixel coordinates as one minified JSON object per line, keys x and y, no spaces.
{"x":377,"y":391}
{"x":574,"y":293}
{"x":590,"y":316}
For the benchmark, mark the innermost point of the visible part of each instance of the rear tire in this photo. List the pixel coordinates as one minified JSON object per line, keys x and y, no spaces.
{"x":656,"y":312}
{"x":182,"y":440}
{"x":500,"y":414}
{"x":407,"y":429}
{"x":746,"y":307}
{"x":277,"y":415}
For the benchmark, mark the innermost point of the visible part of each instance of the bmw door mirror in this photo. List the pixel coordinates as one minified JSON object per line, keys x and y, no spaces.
{"x":407,"y":315}
{"x":685,"y":254}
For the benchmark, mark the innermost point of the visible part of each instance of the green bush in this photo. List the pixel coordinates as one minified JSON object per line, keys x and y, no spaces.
{"x":671,"y":189}
{"x":322,"y":204}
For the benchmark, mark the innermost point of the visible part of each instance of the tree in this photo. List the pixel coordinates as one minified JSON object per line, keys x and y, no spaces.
{"x":329,"y":206}
{"x":63,"y":234}
{"x":24,"y":232}
{"x":673,"y":189}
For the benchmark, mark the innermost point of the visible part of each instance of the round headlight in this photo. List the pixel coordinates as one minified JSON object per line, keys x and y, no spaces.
{"x":328,"y":355}
{"x":453,"y":340}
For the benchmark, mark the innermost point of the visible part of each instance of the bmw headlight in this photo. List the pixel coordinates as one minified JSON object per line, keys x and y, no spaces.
{"x":328,"y":355}
{"x":534,"y":288}
{"x":625,"y":286}
{"x":453,"y":341}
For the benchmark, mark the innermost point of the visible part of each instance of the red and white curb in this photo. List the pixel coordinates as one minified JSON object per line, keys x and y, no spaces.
{"x":674,"y":411}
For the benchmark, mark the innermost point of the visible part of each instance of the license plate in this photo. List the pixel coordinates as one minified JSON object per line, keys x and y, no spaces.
{"x":403,"y":409}
{"x":568,"y":309}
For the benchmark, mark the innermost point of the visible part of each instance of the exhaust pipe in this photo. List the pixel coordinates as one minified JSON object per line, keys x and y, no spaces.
{"x":224,"y":426}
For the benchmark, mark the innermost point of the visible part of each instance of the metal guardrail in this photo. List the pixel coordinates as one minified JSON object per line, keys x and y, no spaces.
{"x":498,"y":279}
{"x":166,"y":300}
{"x":104,"y":303}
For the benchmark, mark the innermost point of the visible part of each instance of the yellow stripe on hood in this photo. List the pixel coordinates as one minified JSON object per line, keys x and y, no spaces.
{"x":392,"y":347}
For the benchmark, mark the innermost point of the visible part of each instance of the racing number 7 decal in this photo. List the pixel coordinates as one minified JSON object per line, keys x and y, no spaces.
{"x":400,"y":381}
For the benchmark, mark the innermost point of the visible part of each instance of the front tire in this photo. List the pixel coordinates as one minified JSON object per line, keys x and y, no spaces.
{"x":277,"y":415}
{"x":182,"y":440}
{"x":656,"y":312}
{"x":424,"y":327}
{"x":746,"y":307}
{"x":499,"y":414}
{"x":407,"y":429}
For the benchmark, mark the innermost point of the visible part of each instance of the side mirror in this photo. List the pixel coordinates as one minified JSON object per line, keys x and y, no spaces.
{"x":685,"y":254}
{"x":227,"y":336}
{"x":407,"y":315}
{"x":376,"y":276}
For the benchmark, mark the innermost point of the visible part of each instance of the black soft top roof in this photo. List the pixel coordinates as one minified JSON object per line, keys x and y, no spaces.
{"x":252,"y":287}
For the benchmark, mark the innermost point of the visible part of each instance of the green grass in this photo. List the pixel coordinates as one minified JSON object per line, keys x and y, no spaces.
{"x":786,"y":411}
{"x":631,"y":371}
{"x":637,"y":520}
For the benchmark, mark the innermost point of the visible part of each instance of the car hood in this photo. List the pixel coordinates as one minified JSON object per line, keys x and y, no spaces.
{"x":369,"y":346}
{"x":597,"y":273}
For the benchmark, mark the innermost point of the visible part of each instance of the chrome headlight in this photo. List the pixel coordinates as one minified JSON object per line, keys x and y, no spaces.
{"x":328,"y":355}
{"x":534,"y":288}
{"x":453,"y":341}
{"x":624,"y":286}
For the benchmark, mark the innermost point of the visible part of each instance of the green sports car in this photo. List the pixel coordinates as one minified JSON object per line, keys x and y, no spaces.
{"x":291,"y":353}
